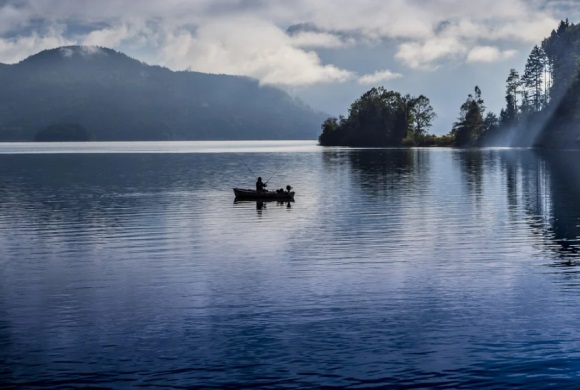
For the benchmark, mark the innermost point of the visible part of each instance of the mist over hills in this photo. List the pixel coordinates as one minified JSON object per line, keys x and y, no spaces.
{"x":118,"y":98}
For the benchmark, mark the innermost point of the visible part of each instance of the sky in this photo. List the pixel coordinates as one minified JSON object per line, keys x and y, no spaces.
{"x":325,"y":52}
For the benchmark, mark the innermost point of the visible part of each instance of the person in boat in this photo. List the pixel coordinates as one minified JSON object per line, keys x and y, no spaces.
{"x":260,"y":186}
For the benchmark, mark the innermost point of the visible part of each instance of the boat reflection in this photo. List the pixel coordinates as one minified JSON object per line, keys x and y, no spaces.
{"x":262,"y":203}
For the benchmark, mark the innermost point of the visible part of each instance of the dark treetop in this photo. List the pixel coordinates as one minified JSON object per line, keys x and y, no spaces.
{"x":381,"y":118}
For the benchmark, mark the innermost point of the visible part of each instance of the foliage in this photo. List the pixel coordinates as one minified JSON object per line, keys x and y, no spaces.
{"x":427,"y":140}
{"x":562,"y":123}
{"x":533,"y":79}
{"x":380,"y":117}
{"x":509,"y":115}
{"x":443,"y":140}
{"x":562,"y":49}
{"x":542,"y":106}
{"x":423,"y":115}
{"x":470,"y":124}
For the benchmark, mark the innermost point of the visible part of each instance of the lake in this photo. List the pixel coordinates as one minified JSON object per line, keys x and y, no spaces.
{"x":130,"y":265}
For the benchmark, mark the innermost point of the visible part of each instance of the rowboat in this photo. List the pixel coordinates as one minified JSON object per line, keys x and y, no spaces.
{"x":242,"y":193}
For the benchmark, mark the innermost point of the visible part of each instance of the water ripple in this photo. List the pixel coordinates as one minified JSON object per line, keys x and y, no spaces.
{"x":424,"y":268}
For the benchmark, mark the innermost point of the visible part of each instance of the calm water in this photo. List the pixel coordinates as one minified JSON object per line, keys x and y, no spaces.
{"x":130,"y":265}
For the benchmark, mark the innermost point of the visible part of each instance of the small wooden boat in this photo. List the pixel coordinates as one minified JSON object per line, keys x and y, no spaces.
{"x":263,"y":195}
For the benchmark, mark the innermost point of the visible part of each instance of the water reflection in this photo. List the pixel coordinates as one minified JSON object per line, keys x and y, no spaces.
{"x":472,"y":163}
{"x":388,"y":170}
{"x":562,"y":174}
{"x":262,"y":204}
{"x":392,"y":267}
{"x":102,"y":191}
{"x":544,"y":184}
{"x":555,"y":199}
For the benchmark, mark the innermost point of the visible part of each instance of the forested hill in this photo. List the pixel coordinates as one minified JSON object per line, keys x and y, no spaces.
{"x":562,"y":49}
{"x":542,"y":107}
{"x":116,"y":97}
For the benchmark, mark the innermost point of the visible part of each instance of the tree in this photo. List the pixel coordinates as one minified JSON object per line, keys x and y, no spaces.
{"x":526,"y":107}
{"x":513,"y":83}
{"x":490,"y":123}
{"x":329,"y":131}
{"x":423,"y":115}
{"x":563,"y":54}
{"x":479,"y":99}
{"x":545,"y":101}
{"x":470,"y":124}
{"x":533,"y":77}
{"x":380,"y":117}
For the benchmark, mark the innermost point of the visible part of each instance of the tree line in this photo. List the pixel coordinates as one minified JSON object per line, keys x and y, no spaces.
{"x":542,"y":103}
{"x":542,"y":108}
{"x":381,"y":117}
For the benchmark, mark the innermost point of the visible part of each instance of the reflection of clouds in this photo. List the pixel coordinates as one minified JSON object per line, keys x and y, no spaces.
{"x":425,"y":252}
{"x":410,"y":196}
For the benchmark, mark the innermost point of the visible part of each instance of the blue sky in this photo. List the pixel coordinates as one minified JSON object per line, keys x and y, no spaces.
{"x":325,"y":52}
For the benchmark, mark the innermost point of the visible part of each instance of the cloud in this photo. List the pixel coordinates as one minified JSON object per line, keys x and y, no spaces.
{"x":310,"y":39}
{"x":11,"y":17}
{"x":424,"y":55}
{"x":110,"y":36}
{"x":84,"y":51}
{"x":489,"y":54}
{"x":248,"y":47}
{"x":15,"y":49}
{"x":249,"y":37}
{"x":378,"y":77}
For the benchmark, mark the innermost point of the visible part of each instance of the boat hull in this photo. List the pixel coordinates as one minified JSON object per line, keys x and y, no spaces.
{"x":242,"y":193}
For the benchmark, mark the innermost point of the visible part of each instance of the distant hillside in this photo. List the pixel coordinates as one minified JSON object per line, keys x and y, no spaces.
{"x":119,"y":98}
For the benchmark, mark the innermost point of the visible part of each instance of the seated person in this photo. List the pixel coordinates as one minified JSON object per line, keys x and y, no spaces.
{"x":260,"y":186}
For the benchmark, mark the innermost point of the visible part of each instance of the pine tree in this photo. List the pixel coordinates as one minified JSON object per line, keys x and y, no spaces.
{"x":533,"y":77}
{"x":563,"y":54}
{"x":513,"y":83}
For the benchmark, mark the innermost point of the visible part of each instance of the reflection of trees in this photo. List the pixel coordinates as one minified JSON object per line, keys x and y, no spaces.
{"x":511,"y":181}
{"x":563,"y":171}
{"x":543,"y":184}
{"x":546,"y":185}
{"x":388,"y":170}
{"x":371,"y":192}
{"x":471,"y":163}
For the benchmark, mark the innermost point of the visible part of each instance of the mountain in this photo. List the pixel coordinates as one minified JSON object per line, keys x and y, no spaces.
{"x":118,"y":98}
